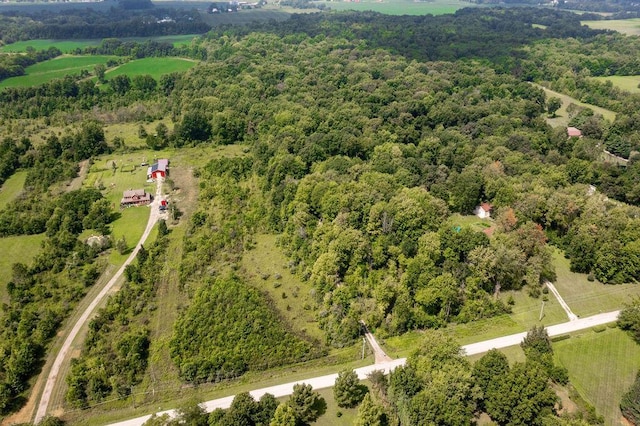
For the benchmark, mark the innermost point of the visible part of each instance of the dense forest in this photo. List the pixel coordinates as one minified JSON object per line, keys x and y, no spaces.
{"x":366,"y":138}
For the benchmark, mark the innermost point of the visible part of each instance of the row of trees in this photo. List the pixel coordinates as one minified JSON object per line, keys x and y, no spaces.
{"x":629,"y":320}
{"x":14,"y":65}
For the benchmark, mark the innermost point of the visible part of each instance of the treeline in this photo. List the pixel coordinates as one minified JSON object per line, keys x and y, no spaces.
{"x":92,"y":24}
{"x":149,"y":48}
{"x":115,"y":353}
{"x":12,"y":65}
{"x":43,"y":294}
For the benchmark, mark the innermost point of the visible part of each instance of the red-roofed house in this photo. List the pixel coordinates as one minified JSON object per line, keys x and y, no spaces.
{"x":483,"y":211}
{"x":574,"y":132}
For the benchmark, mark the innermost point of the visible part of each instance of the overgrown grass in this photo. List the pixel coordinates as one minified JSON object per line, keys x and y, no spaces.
{"x":22,"y":248}
{"x":624,"y":82}
{"x":46,"y":71}
{"x":562,"y":117}
{"x":68,"y":46}
{"x":585,"y":297}
{"x":400,"y":7}
{"x":601,"y":366}
{"x":266,"y":269}
{"x":155,"y":67}
{"x":12,"y":187}
{"x":625,"y":26}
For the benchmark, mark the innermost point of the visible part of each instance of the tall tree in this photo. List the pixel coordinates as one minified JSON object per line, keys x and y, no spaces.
{"x":307,"y":404}
{"x":348,"y":391}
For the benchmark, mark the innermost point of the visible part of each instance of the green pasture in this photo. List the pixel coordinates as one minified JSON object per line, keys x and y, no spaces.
{"x":586,"y":297}
{"x":12,"y":187}
{"x":625,"y":26}
{"x":60,"y":67}
{"x":68,"y":46}
{"x":266,"y":269}
{"x":601,"y":366}
{"x":628,"y":83}
{"x":562,"y":117}
{"x":399,"y":7}
{"x":22,"y":248}
{"x":155,"y":67}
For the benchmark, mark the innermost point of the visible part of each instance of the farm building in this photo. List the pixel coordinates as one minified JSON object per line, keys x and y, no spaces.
{"x":135,"y":197}
{"x":483,"y":211}
{"x":159,"y":169}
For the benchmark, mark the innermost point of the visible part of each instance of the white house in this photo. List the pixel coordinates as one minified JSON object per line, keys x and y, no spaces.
{"x":483,"y":211}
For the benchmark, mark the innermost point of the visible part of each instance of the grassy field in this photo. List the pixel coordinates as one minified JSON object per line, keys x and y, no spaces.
{"x":624,"y":82}
{"x":601,"y":366}
{"x":21,"y":248}
{"x":589,"y":298}
{"x":155,"y":67}
{"x":400,"y":7}
{"x":55,"y":68}
{"x":562,"y":117}
{"x":625,"y":26}
{"x":12,"y":187}
{"x":263,"y":265}
{"x":68,"y":46}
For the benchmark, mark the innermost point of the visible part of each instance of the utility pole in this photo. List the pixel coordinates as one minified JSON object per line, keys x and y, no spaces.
{"x":541,"y":310}
{"x":364,"y":341}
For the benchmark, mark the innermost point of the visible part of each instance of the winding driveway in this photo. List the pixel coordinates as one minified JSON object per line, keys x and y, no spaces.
{"x":63,"y":354}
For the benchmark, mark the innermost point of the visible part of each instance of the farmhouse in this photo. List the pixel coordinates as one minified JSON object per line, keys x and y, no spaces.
{"x":135,"y":197}
{"x":483,"y":211}
{"x":159,"y":169}
{"x":574,"y":132}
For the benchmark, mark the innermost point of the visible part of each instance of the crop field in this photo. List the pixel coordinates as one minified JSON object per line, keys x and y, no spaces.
{"x":68,"y":46}
{"x":601,"y":366}
{"x":589,"y":298}
{"x":624,"y":82}
{"x":44,"y":72}
{"x":400,"y":7}
{"x":155,"y":67}
{"x":625,"y":26}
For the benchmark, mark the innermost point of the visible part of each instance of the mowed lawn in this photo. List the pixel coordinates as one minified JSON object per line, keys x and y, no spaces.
{"x":155,"y":67}
{"x":562,"y":117}
{"x":601,"y":366}
{"x":400,"y":7}
{"x":60,"y":67}
{"x":624,"y":82}
{"x":625,"y":26}
{"x":586,"y":297}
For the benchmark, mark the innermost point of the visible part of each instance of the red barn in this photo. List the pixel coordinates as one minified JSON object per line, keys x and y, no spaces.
{"x":159,"y":169}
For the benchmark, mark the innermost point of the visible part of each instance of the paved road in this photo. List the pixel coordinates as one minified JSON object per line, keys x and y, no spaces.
{"x":567,"y":309}
{"x":328,"y":381}
{"x":63,"y":354}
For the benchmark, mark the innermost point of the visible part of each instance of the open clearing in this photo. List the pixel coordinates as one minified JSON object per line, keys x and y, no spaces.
{"x":46,"y":71}
{"x":12,"y":187}
{"x":155,"y":67}
{"x":625,"y":26}
{"x":68,"y":46}
{"x":624,"y":82}
{"x":586,"y":297}
{"x":562,"y":117}
{"x":400,"y":7}
{"x":22,"y":248}
{"x":601,"y":366}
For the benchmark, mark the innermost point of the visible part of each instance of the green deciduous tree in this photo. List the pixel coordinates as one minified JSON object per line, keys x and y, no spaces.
{"x":370,"y":413}
{"x":630,"y":402}
{"x":284,"y":416}
{"x":629,"y":319}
